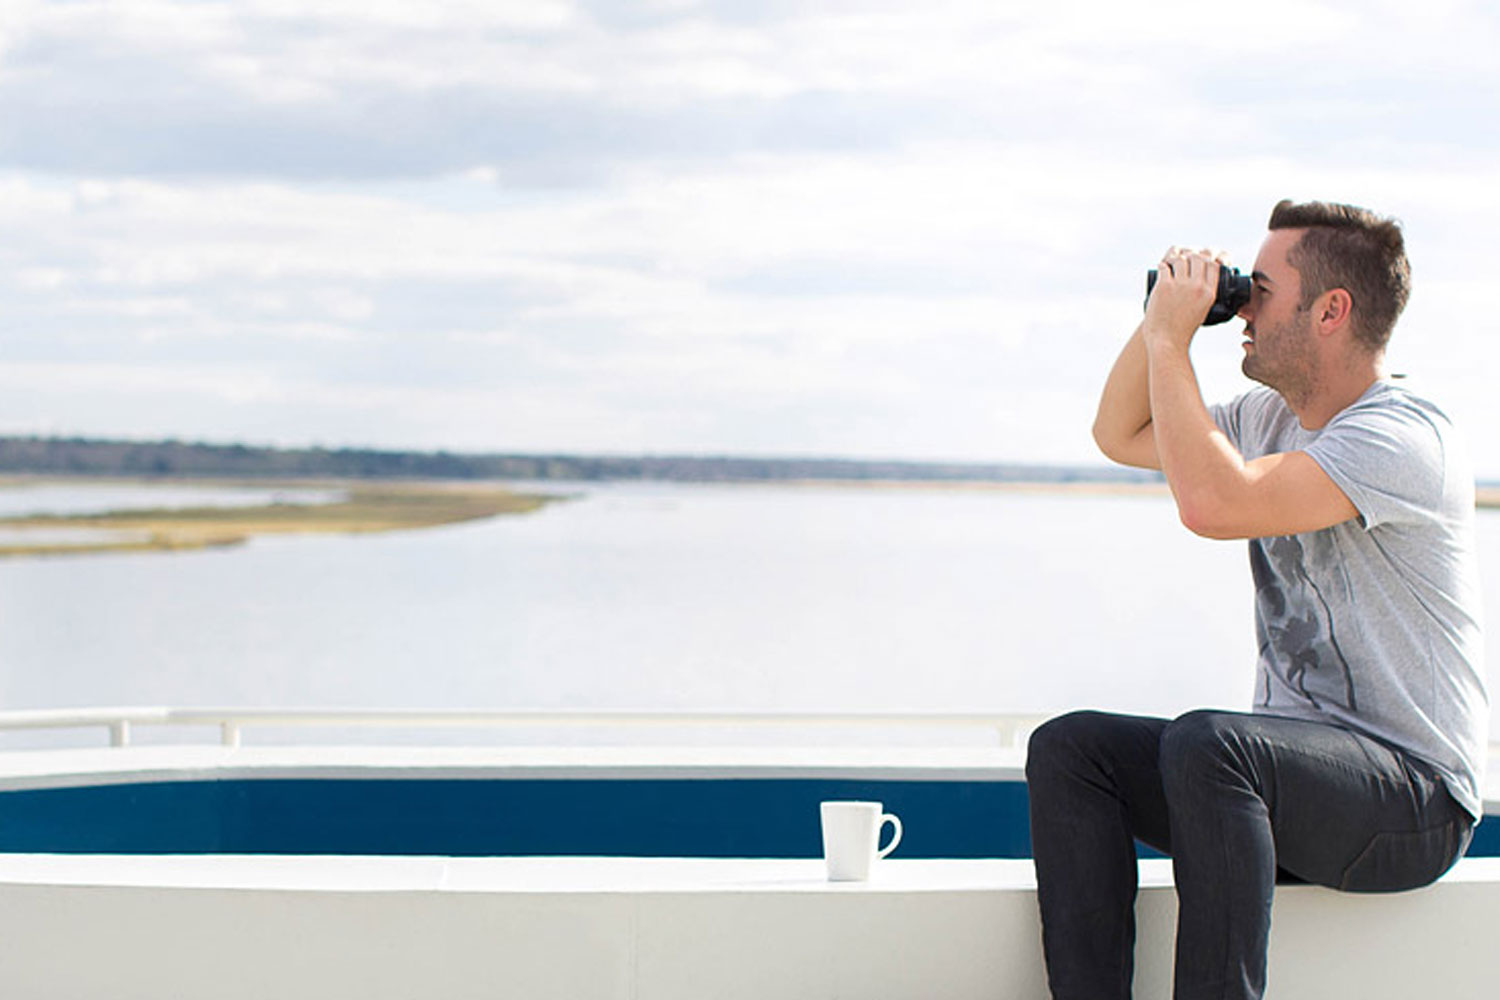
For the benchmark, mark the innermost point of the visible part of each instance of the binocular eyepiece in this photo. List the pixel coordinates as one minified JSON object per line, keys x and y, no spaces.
{"x":1233,"y":294}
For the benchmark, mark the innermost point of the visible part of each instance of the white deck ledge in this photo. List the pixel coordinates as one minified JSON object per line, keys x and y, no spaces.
{"x":668,"y":929}
{"x":304,"y":873}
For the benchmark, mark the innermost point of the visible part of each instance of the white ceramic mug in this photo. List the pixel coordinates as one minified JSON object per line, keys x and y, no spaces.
{"x":851,"y":838}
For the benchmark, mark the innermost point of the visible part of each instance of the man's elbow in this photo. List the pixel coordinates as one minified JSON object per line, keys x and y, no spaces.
{"x":1136,"y":449}
{"x":1207,"y":518}
{"x":1111,"y":442}
{"x":1103,"y":441}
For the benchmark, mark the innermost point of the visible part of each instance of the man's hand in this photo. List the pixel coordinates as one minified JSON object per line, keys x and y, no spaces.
{"x":1186,"y":283}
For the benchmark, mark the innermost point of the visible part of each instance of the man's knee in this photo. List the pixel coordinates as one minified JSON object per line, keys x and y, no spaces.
{"x":1091,"y":744}
{"x":1058,"y":743}
{"x":1203,"y":745}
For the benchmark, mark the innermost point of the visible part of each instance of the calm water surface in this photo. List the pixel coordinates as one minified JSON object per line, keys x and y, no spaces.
{"x":668,"y":597}
{"x":17,"y":499}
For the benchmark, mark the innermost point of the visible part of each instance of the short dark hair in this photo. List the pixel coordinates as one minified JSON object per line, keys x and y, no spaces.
{"x":1353,"y":249}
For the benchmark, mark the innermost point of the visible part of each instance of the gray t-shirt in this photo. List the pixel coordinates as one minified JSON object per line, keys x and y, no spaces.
{"x":1374,"y":624}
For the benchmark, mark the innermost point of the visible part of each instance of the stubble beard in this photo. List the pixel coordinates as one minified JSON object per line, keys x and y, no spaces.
{"x":1282,"y":358}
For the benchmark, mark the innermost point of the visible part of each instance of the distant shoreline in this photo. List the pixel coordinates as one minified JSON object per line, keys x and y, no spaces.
{"x":367,"y":508}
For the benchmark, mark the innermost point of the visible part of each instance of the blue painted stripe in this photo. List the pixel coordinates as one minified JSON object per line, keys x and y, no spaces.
{"x":769,"y":818}
{"x":773,"y":818}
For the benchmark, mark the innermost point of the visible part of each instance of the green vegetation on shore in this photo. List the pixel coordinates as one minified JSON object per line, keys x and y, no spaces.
{"x":185,"y":460}
{"x":367,"y":507}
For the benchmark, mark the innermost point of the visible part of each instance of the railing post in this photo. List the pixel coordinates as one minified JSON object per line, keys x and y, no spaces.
{"x":119,"y":733}
{"x":229,"y":733}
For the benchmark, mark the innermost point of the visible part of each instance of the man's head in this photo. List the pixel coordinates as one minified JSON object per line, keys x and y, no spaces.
{"x":1345,"y":247}
{"x":1328,"y":284}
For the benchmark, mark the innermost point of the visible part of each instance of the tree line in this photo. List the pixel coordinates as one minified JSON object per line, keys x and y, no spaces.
{"x":179,"y":459}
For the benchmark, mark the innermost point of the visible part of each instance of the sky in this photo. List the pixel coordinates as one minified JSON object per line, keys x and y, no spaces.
{"x":848,"y":228}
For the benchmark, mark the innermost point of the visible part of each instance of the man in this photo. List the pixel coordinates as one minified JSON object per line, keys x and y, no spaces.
{"x":1360,"y":765}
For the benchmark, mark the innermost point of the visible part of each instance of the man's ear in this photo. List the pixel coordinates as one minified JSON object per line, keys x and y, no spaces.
{"x":1333,"y":310}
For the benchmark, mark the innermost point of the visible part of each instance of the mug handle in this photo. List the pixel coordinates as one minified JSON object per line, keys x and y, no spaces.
{"x":888,"y":848}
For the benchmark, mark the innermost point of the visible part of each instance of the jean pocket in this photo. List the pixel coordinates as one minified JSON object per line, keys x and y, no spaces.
{"x":1392,"y":862}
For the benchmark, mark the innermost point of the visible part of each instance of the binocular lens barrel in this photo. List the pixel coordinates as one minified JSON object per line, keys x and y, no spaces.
{"x":1232,"y":295}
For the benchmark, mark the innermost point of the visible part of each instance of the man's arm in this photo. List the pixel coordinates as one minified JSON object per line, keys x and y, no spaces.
{"x":1122,"y":427}
{"x":1218,"y":493}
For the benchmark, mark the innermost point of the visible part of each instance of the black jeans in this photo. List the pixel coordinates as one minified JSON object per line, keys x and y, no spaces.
{"x":1235,"y":800}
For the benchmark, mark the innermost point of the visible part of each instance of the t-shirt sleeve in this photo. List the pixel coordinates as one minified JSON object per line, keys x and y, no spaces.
{"x":1388,"y":460}
{"x":1245,"y":417}
{"x":1227,"y":416}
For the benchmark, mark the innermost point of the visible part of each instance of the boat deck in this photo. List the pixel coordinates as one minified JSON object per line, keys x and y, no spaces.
{"x":305,"y":917}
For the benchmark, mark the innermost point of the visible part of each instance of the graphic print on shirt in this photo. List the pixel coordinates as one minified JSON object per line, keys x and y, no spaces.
{"x":1297,"y":639}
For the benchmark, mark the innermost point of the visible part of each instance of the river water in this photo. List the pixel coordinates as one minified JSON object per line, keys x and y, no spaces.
{"x":665,"y":596}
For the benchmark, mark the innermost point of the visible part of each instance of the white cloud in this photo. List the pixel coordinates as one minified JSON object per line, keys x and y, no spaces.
{"x":857,"y":227}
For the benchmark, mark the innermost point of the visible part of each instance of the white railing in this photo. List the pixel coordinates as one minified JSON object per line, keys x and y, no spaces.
{"x":1010,"y":729}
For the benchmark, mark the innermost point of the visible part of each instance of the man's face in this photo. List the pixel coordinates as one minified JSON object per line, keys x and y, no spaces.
{"x":1280,"y":350}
